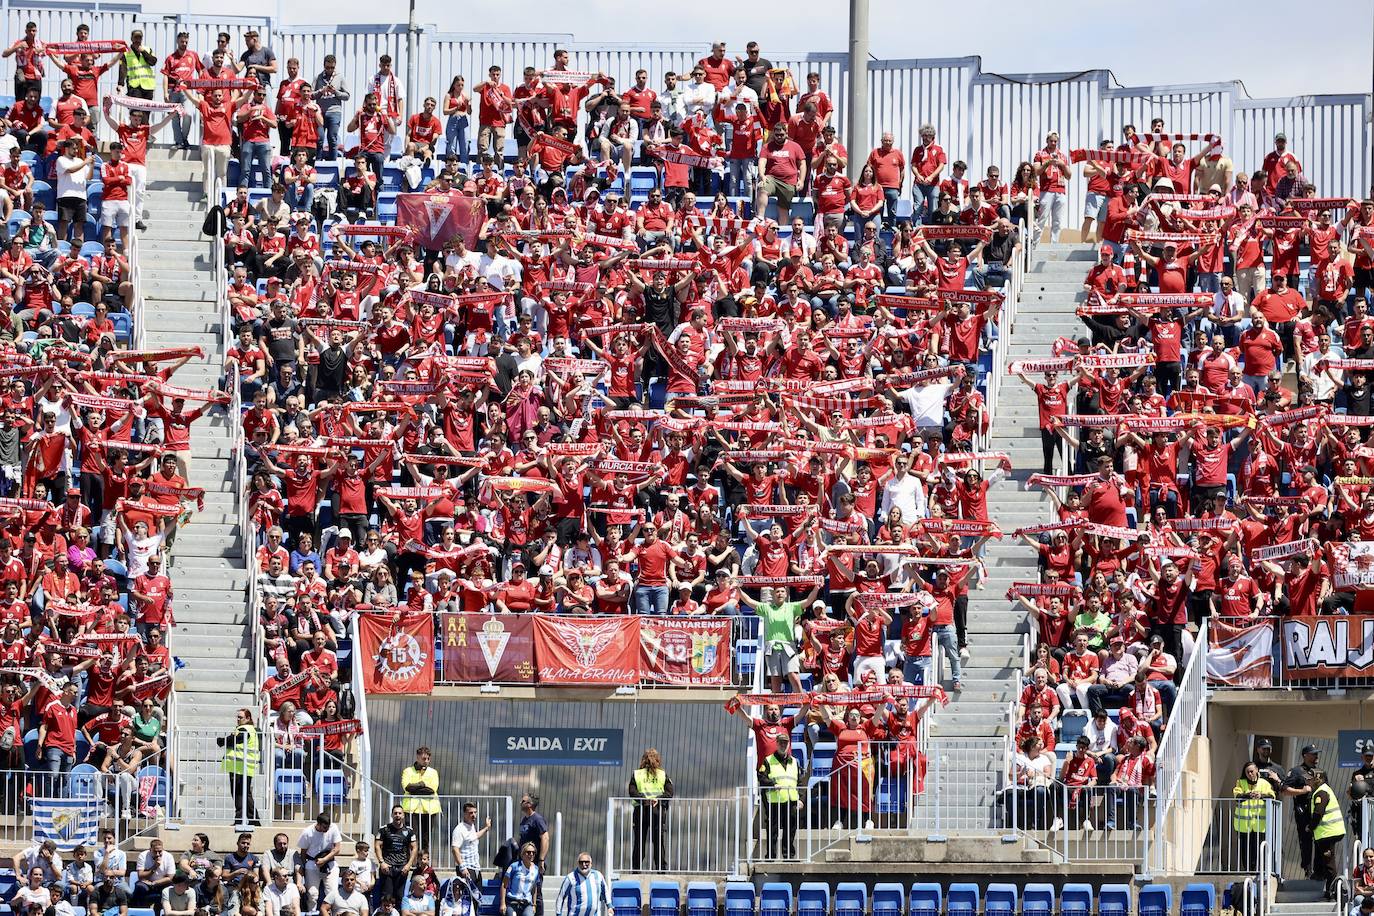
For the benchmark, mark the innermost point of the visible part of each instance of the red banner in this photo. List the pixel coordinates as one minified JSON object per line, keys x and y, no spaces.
{"x":684,"y":651}
{"x":438,"y":216}
{"x":397,"y":652}
{"x":587,"y":650}
{"x":488,"y":647}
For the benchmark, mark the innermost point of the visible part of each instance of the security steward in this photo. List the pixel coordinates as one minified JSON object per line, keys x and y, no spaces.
{"x":241,"y":762}
{"x":1328,"y":829}
{"x":780,"y":774}
{"x":651,"y":788}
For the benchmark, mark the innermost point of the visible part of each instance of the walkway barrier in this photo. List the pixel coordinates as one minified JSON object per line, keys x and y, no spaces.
{"x":1189,"y":714}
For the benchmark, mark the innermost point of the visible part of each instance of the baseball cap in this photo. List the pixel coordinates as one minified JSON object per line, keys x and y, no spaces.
{"x":546,"y":570}
{"x":518,"y":564}
{"x":345,"y":533}
{"x":1105,"y":249}
{"x":1280,"y":136}
{"x":1264,"y":742}
{"x":1311,"y":749}
{"x":73,"y":491}
{"x":818,"y":603}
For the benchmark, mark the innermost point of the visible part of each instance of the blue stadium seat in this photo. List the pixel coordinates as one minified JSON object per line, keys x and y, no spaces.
{"x":776,"y":899}
{"x":813,"y":899}
{"x":740,"y":899}
{"x":665,"y":898}
{"x":626,"y":899}
{"x":1197,"y":900}
{"x":1037,"y":900}
{"x":1114,"y":900}
{"x":31,"y":758}
{"x":963,"y":900}
{"x":490,"y":889}
{"x":1001,"y":900}
{"x":1156,"y":900}
{"x":851,"y":898}
{"x":1074,"y":899}
{"x":18,"y":217}
{"x":45,"y":194}
{"x":83,"y":781}
{"x":889,"y":900}
{"x":927,"y":899}
{"x":91,"y":249}
{"x":9,"y":884}
{"x":290,"y":787}
{"x":331,"y":787}
{"x":702,"y":898}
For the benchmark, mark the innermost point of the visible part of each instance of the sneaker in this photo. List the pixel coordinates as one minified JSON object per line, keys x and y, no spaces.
{"x":958,"y":686}
{"x":1057,"y":826}
{"x":141,"y":226}
{"x":1088,"y":825}
{"x":1111,"y":824}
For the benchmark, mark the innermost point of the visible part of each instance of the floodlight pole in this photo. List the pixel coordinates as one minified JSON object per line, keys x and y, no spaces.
{"x":412,"y":65}
{"x":857,"y":141}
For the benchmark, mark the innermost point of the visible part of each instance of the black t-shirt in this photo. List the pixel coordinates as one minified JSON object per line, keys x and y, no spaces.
{"x":1296,"y":779}
{"x":261,"y":57}
{"x":280,"y":337}
{"x":1272,"y":774}
{"x":396,"y":843}
{"x":532,"y":830}
{"x":658,"y":307}
{"x":110,"y":896}
{"x":332,"y":371}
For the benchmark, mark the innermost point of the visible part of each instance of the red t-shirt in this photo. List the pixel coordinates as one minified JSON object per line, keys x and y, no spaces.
{"x":653,"y":562}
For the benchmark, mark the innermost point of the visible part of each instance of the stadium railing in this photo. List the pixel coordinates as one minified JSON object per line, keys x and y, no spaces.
{"x":1189,"y":714}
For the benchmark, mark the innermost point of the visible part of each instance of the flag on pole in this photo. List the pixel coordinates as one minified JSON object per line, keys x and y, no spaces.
{"x":68,"y":822}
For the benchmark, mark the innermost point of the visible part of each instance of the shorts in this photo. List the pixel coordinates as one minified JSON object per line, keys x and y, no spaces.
{"x":784,"y":192}
{"x":781,"y":660}
{"x":107,"y":527}
{"x":1093,"y":205}
{"x":72,"y":209}
{"x":114,"y":213}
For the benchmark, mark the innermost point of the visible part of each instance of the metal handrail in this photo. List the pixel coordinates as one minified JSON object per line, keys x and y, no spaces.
{"x":1188,"y":712}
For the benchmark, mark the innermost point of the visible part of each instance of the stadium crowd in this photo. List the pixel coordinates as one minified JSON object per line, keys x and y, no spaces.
{"x":94,"y":447}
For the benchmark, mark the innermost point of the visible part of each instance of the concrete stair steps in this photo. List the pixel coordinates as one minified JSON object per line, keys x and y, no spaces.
{"x":210,"y":683}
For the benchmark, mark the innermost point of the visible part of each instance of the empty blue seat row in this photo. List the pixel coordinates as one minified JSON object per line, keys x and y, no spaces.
{"x":852,"y":898}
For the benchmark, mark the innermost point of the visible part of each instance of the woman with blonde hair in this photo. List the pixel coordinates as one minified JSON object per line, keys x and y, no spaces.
{"x":651,"y":788}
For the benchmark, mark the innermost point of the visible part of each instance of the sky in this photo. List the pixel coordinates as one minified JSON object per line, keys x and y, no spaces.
{"x":1273,"y":48}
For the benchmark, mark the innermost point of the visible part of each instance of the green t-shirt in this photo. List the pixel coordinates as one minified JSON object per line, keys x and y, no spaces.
{"x":1098,"y":624}
{"x":779,"y":620}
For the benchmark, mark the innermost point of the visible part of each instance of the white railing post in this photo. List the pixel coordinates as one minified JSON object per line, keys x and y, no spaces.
{"x":610,"y":838}
{"x":365,"y":739}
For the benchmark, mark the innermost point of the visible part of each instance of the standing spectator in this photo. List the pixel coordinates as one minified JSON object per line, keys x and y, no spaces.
{"x":1052,"y":170}
{"x":889,"y":169}
{"x":73,"y":171}
{"x":420,"y":783}
{"x":257,"y":60}
{"x":1250,"y":814}
{"x":585,"y":891}
{"x":57,"y":732}
{"x":396,"y":851}
{"x":782,"y":172}
{"x":534,"y":830}
{"x":292,"y":92}
{"x":928,"y":161}
{"x":465,"y":839}
{"x":181,"y":65}
{"x":28,"y":61}
{"x":319,"y":846}
{"x":330,"y":93}
{"x":136,"y":135}
{"x":494,"y":112}
{"x":137,"y":78}
{"x":256,"y":120}
{"x":216,"y":109}
{"x":375,"y":127}
{"x":457,"y":107}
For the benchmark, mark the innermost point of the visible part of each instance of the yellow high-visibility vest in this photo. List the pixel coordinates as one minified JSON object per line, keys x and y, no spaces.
{"x":1332,"y":824}
{"x":784,"y":775}
{"x":242,"y":758}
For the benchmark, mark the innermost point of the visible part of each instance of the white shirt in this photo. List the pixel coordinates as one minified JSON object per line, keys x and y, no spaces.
{"x":166,"y":865}
{"x":314,"y":843}
{"x":734,"y":94}
{"x":1224,"y":306}
{"x":907,"y":494}
{"x":1323,"y":388}
{"x":698,"y":97}
{"x":465,"y":841}
{"x":282,"y":898}
{"x":926,"y":403}
{"x":69,"y":183}
{"x":1101,"y":740}
{"x":456,"y":262}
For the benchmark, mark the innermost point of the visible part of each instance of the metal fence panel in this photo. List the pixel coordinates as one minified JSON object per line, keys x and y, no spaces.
{"x":1330,"y":135}
{"x":1012,"y":114}
{"x":904,"y":94}
{"x":963,"y":785}
{"x":357,"y":48}
{"x":449,"y":55}
{"x":1185,"y":109}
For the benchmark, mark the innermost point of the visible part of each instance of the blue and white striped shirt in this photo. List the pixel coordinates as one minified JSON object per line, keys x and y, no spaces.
{"x":584,"y":894}
{"x":521,"y":880}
